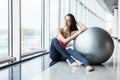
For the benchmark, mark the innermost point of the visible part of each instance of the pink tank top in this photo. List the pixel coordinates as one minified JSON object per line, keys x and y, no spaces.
{"x":61,"y":43}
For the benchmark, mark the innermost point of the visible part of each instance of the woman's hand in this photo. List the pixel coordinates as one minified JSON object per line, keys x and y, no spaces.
{"x":81,"y":26}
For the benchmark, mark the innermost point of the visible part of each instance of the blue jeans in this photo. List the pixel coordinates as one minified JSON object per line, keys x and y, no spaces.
{"x":59,"y":53}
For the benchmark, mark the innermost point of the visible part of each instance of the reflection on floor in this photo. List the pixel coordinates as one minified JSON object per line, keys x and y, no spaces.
{"x":38,"y":69}
{"x":25,"y":70}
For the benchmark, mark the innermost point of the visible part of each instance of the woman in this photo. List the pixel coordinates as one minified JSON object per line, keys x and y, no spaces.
{"x":64,"y":35}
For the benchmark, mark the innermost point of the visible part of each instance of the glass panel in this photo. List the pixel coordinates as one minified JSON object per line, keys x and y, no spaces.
{"x":62,"y":12}
{"x":3,"y":28}
{"x":53,"y":17}
{"x":30,"y":25}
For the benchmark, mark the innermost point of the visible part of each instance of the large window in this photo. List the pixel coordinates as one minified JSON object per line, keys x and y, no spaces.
{"x":3,"y":28}
{"x":30,"y":25}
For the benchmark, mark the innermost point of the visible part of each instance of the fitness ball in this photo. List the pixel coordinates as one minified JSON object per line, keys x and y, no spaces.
{"x":95,"y":44}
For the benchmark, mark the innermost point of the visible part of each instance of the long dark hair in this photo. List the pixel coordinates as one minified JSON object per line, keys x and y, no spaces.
{"x":73,"y":27}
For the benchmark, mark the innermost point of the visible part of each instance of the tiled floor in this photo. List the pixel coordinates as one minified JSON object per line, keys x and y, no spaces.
{"x":38,"y":69}
{"x":63,"y":71}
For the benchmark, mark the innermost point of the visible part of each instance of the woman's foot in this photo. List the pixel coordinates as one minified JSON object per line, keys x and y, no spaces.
{"x":89,"y":68}
{"x":74,"y":64}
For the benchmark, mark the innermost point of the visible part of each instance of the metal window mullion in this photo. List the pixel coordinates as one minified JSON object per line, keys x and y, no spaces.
{"x":10,"y":41}
{"x":42,"y":23}
{"x":47,"y":24}
{"x":16,"y":29}
{"x":59,"y":12}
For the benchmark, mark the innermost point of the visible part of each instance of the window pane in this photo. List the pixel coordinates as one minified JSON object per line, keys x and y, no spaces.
{"x":30,"y":25}
{"x":53,"y":17}
{"x":3,"y":28}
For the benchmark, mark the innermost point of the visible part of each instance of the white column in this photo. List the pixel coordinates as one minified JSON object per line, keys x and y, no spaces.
{"x":115,"y":35}
{"x":118,"y":56}
{"x":115,"y":53}
{"x":118,"y":62}
{"x":115,"y":23}
{"x":119,"y":19}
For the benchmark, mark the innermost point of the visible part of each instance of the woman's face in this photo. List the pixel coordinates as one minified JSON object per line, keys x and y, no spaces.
{"x":67,"y":21}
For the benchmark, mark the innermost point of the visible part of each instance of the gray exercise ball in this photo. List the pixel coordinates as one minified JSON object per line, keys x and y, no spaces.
{"x":95,"y":44}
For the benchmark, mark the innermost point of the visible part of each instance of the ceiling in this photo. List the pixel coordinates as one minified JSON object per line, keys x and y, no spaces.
{"x":108,"y":5}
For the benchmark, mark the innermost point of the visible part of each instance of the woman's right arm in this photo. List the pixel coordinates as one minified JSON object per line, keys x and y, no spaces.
{"x":66,"y":40}
{"x":82,"y":26}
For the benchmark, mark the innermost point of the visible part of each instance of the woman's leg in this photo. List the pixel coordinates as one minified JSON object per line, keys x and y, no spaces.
{"x":61,"y":50}
{"x":77,"y":56}
{"x":54,"y":54}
